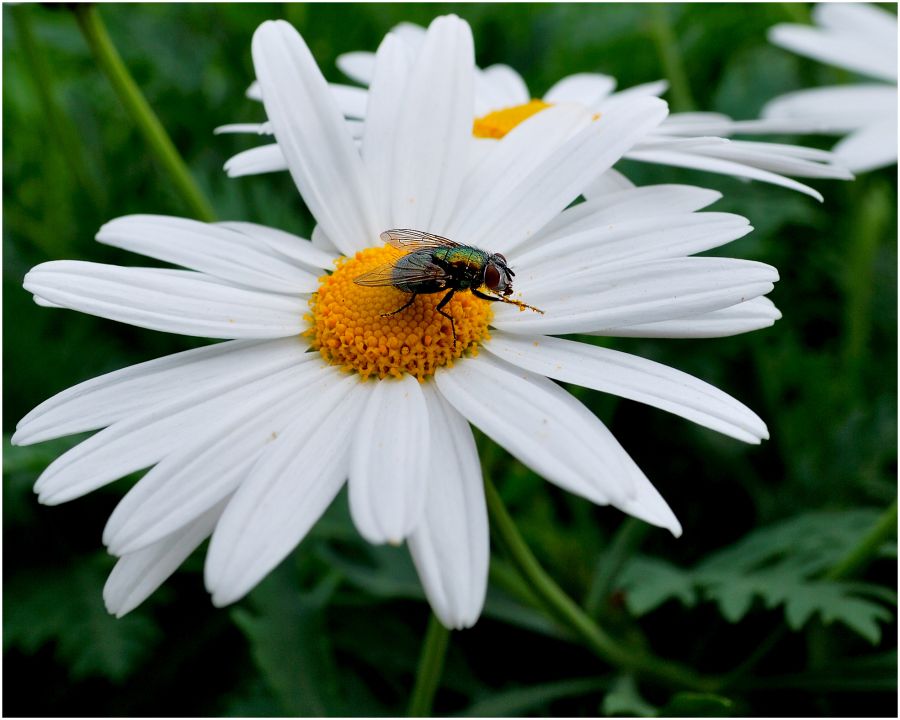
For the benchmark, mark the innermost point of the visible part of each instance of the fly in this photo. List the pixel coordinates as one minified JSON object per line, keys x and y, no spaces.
{"x":437,"y":264}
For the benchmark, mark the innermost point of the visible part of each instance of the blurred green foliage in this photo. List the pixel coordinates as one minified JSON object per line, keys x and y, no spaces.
{"x":337,"y":629}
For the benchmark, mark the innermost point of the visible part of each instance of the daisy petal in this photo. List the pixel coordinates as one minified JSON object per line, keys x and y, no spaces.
{"x":389,"y":462}
{"x":313,"y":135}
{"x":256,"y":161}
{"x":561,"y":177}
{"x":146,"y":437}
{"x":520,"y":153}
{"x":115,"y":396}
{"x":450,"y":546}
{"x":434,"y":129}
{"x":611,"y":181}
{"x":841,"y":49}
{"x":625,"y":204}
{"x":585,"y":255}
{"x":288,"y":490}
{"x":291,"y":246}
{"x":386,"y":103}
{"x":650,"y":292}
{"x":870,"y":147}
{"x":588,"y":89}
{"x":358,"y":66}
{"x":858,"y":19}
{"x":212,"y":249}
{"x":541,"y":424}
{"x":175,"y":301}
{"x":498,"y":87}
{"x":718,"y":165}
{"x":744,"y":317}
{"x":633,"y":378}
{"x":217,"y":458}
{"x":835,"y":109}
{"x":137,"y":575}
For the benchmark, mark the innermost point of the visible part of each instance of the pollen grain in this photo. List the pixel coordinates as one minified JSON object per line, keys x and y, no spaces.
{"x":348,"y":328}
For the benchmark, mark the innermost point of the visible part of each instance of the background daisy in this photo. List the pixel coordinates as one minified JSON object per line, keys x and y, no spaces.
{"x":861,"y":38}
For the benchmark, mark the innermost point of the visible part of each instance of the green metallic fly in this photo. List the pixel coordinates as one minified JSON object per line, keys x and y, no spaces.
{"x":436,"y":264}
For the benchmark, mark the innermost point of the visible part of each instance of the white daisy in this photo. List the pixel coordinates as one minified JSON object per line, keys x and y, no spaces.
{"x":251,"y":439}
{"x":502,"y":101}
{"x":861,"y":38}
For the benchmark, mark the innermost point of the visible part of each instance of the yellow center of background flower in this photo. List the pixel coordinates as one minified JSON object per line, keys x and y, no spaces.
{"x":496,"y":124}
{"x":348,"y":329}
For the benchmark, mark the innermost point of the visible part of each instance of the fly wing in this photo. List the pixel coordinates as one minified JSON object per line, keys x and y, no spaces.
{"x":409,"y":271}
{"x":415,"y":240}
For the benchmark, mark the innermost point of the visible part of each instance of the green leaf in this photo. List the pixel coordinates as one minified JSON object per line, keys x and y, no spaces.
{"x":625,"y":700}
{"x":649,"y":582}
{"x":694,"y":704}
{"x":290,"y":645}
{"x":64,"y":607}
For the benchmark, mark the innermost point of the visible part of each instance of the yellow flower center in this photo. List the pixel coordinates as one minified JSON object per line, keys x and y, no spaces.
{"x":496,"y":124}
{"x":348,"y":327}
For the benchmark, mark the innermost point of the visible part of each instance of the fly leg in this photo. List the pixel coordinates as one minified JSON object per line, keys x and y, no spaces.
{"x":402,"y":308}
{"x":481,"y":295}
{"x":439,"y":308}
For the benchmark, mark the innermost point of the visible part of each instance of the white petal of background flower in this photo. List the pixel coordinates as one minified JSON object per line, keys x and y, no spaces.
{"x":588,"y":88}
{"x":863,"y":39}
{"x":450,"y":546}
{"x":389,"y":462}
{"x":631,"y":377}
{"x":284,"y":495}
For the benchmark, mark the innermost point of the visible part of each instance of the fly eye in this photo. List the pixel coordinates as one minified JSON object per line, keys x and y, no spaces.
{"x":500,"y":258}
{"x":492,"y":276}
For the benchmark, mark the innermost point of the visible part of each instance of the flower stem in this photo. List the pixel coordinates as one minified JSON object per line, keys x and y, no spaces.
{"x":670,"y":57}
{"x":59,"y":124}
{"x":566,"y":611}
{"x":431,"y":664}
{"x":885,"y":527}
{"x":110,"y":61}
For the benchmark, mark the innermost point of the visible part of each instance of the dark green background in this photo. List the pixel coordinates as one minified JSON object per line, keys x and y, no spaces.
{"x":337,"y":630}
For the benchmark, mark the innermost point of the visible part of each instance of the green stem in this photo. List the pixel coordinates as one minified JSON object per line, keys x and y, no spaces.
{"x":566,"y":611}
{"x":670,"y":57}
{"x":431,"y":664}
{"x":859,"y":556}
{"x":60,"y":126}
{"x":625,"y":542}
{"x":108,"y":58}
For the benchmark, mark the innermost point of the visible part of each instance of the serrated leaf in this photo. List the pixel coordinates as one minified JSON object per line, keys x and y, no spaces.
{"x":649,"y":582}
{"x":289,"y":643}
{"x":64,"y":607}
